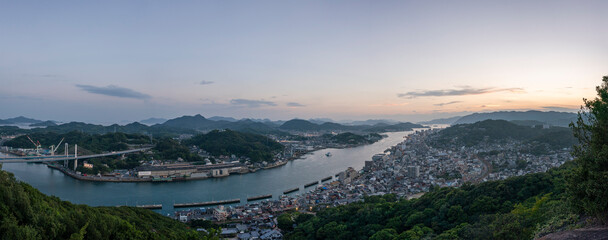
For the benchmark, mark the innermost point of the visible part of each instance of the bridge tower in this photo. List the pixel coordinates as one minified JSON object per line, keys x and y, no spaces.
{"x":65,"y":162}
{"x":75,"y":156}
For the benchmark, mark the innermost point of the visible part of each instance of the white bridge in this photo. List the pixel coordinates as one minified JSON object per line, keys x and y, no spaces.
{"x":67,"y":157}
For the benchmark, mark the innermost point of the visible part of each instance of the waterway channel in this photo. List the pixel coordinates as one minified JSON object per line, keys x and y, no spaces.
{"x":312,"y":167}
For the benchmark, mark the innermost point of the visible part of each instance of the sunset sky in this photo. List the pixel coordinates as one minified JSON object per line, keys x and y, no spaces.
{"x":114,"y":61}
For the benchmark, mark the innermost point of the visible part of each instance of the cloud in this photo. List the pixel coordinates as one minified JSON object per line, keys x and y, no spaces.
{"x":295,"y":104}
{"x":21,"y":97}
{"x":251,"y":103}
{"x":560,"y":109}
{"x":49,"y":76}
{"x":42,"y":75}
{"x":206,"y":82}
{"x":447,"y":103}
{"x":457,"y":92}
{"x":114,"y":91}
{"x":388,"y":105}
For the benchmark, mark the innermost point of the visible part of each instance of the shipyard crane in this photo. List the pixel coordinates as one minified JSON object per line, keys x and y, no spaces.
{"x":55,"y":147}
{"x":37,"y":145}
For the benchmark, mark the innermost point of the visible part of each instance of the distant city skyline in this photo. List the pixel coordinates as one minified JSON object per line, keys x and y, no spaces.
{"x":116,"y":61}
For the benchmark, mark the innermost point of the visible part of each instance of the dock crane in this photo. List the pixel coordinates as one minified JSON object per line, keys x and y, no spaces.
{"x":55,"y":147}
{"x":37,"y":144}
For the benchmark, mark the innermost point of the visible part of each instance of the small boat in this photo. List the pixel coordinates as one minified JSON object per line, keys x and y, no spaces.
{"x":328,"y":154}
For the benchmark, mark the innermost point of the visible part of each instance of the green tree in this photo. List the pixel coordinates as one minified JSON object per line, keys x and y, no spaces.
{"x":285,"y":222}
{"x":587,"y":186}
{"x":332,"y":230}
{"x":384,"y":234}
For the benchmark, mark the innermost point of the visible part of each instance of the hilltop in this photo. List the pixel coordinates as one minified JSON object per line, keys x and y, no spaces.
{"x":561,"y":119}
{"x":450,"y":120}
{"x":501,"y":130}
{"x":19,"y":120}
{"x":152,"y":121}
{"x":257,"y":147}
{"x":304,"y":125}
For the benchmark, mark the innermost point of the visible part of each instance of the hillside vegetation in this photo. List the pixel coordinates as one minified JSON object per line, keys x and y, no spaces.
{"x":95,"y":143}
{"x":303,"y":125}
{"x":351,"y":138}
{"x":551,"y":117}
{"x":227,"y":142}
{"x":501,"y":131}
{"x":515,"y":208}
{"x":520,"y":207}
{"x":25,"y":213}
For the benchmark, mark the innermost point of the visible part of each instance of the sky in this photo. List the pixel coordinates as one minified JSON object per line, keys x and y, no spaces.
{"x":120,"y":61}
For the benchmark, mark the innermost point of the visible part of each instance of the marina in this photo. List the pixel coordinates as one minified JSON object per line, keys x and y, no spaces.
{"x":294,"y":173}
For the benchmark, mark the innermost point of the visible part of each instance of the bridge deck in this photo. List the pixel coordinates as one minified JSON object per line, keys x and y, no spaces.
{"x":70,"y":157}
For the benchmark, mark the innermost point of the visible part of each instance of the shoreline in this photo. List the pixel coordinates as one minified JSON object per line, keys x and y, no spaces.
{"x":94,"y":178}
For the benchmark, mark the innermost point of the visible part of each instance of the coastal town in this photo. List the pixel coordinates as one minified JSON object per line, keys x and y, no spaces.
{"x":407,"y":170}
{"x":167,"y":170}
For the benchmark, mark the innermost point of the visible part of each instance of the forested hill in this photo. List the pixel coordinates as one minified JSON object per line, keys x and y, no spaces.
{"x":351,"y":138}
{"x":515,"y":208}
{"x":561,"y":119}
{"x":94,"y":143}
{"x":304,"y":125}
{"x":257,"y":147}
{"x":26,"y":213}
{"x":501,"y":130}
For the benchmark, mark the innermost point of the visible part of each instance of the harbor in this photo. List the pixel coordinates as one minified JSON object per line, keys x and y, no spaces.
{"x":294,"y":173}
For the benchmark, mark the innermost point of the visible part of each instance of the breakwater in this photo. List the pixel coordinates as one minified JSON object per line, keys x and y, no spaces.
{"x":209,"y":203}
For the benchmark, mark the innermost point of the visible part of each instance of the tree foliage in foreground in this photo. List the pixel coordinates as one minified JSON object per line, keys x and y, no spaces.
{"x":587,"y":184}
{"x":25,"y":213}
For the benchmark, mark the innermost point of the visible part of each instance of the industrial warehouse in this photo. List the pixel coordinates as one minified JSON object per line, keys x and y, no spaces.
{"x":185,"y":170}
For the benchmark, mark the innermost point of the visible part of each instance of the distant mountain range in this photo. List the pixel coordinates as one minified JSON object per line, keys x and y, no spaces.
{"x":198,"y":123}
{"x":561,"y":119}
{"x":304,"y":125}
{"x":152,"y":121}
{"x":471,"y":134}
{"x":370,"y":122}
{"x":552,"y":118}
{"x":217,"y":118}
{"x":44,"y":124}
{"x":442,"y":120}
{"x":19,"y":120}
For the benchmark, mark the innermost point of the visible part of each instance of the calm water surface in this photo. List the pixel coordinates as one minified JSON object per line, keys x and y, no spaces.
{"x":297,"y":173}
